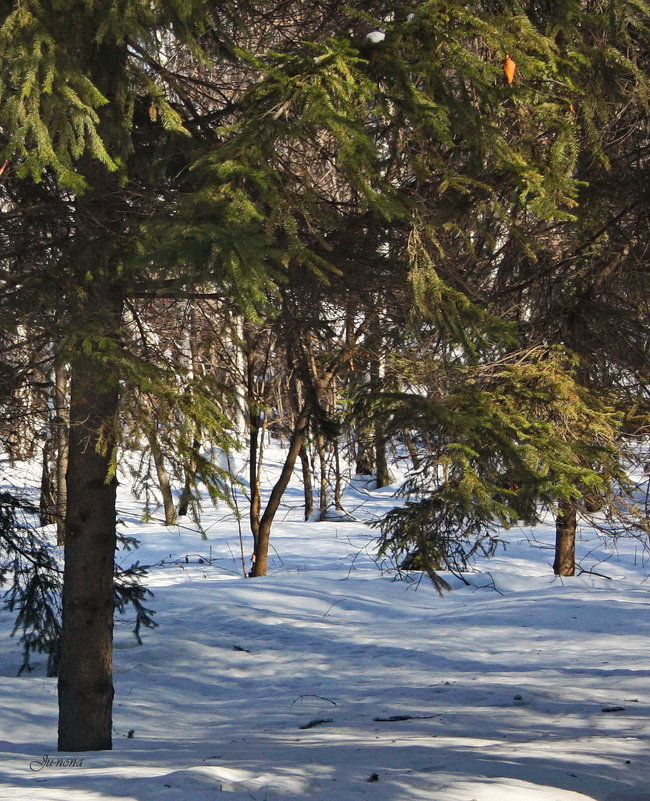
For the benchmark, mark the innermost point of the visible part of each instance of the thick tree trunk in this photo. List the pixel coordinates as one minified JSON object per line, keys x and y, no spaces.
{"x":104,"y":222}
{"x":565,"y":540}
{"x":85,"y":673}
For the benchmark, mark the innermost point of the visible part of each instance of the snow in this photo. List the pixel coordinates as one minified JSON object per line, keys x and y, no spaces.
{"x":329,"y":680}
{"x":375,"y":37}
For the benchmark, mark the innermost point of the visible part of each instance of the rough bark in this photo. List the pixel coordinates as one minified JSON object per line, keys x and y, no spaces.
{"x":86,"y":673}
{"x":565,"y":540}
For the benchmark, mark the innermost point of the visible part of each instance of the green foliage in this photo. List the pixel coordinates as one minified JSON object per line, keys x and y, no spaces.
{"x":226,"y":188}
{"x":458,"y":322}
{"x":504,"y":440}
{"x":36,"y":582}
{"x":48,"y":108}
{"x":31,"y":565}
{"x":54,"y":105}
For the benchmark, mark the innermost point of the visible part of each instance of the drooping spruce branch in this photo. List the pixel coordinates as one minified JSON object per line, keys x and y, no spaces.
{"x":30,"y":566}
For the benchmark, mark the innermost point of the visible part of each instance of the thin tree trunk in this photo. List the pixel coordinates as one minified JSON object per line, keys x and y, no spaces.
{"x":86,"y":672}
{"x":323,"y":482}
{"x":261,"y":556}
{"x":255,"y":430}
{"x":255,"y":506}
{"x":381,"y":462}
{"x":164,"y":483}
{"x":363,"y":459}
{"x":412,"y":449}
{"x":61,"y":443}
{"x":47,"y":504}
{"x":240,"y":378}
{"x":377,"y":373}
{"x":305,"y":464}
{"x":190,"y":358}
{"x":338,"y":479}
{"x":186,"y":494}
{"x":565,"y":540}
{"x":307,"y":483}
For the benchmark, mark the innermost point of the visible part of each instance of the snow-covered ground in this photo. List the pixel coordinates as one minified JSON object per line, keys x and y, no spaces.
{"x":330,"y":681}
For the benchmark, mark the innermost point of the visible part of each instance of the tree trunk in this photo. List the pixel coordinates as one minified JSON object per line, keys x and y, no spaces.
{"x":338,"y":479}
{"x":565,"y":540}
{"x":85,"y":673}
{"x":323,"y":478}
{"x":255,"y":506}
{"x":411,"y":447}
{"x":187,"y":495}
{"x":307,"y":483}
{"x":189,"y":360}
{"x":48,"y":489}
{"x":363,"y":459}
{"x":381,"y":462}
{"x":164,"y":483}
{"x":261,"y":556}
{"x":255,"y":432}
{"x":61,"y":444}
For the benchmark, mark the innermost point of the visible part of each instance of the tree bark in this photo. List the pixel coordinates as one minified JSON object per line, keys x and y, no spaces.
{"x":565,"y":540}
{"x":338,"y":479}
{"x":363,"y":459}
{"x":48,"y":489}
{"x":255,"y":431}
{"x":411,"y":447}
{"x":381,"y":461}
{"x":61,"y":440}
{"x":164,"y":482}
{"x":261,"y":556}
{"x":307,"y":483}
{"x":323,"y":478}
{"x":86,"y":672}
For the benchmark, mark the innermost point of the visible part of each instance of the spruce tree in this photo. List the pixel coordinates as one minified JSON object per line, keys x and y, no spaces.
{"x":71,"y":112}
{"x":165,"y":184}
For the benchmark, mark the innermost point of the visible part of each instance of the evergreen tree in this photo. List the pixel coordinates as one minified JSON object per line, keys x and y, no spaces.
{"x":77,"y":111}
{"x":181,"y":148}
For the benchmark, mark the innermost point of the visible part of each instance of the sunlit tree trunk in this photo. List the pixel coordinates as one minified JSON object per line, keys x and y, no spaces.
{"x":261,"y":556}
{"x":565,"y":540}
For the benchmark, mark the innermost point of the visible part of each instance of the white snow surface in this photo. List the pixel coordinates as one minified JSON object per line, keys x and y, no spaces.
{"x":330,"y":680}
